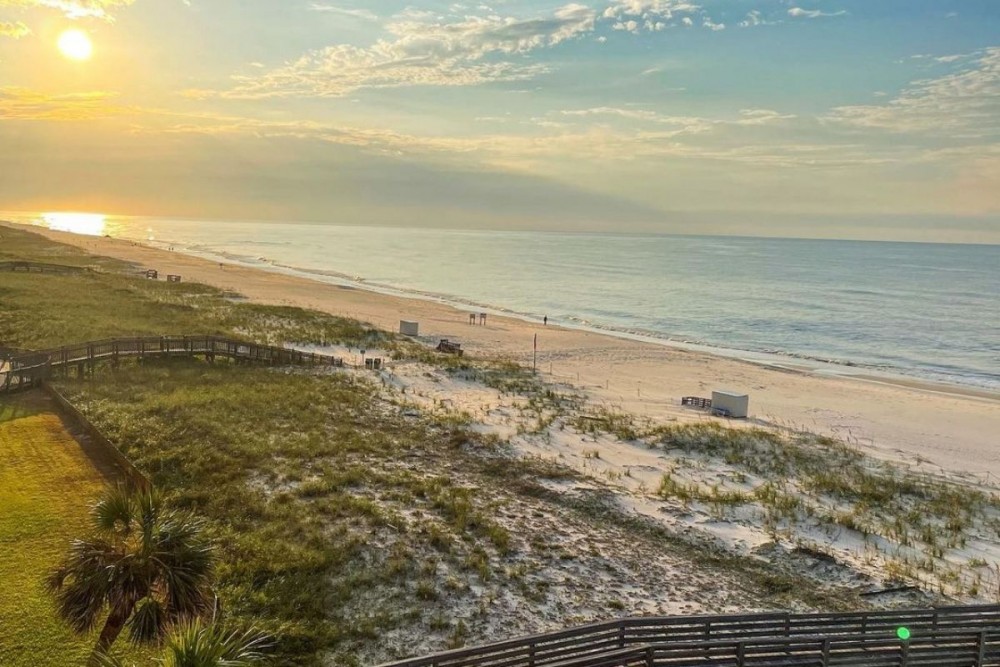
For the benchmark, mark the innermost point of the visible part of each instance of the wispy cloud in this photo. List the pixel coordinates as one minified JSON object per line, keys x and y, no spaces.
{"x":420,"y":52}
{"x":690,"y":124}
{"x":74,"y":9}
{"x":24,"y":104}
{"x":755,"y":18}
{"x":354,"y":13}
{"x":964,"y":105}
{"x":15,"y":30}
{"x":799,"y":13}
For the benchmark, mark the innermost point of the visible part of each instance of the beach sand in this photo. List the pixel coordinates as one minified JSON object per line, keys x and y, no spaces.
{"x":949,"y":427}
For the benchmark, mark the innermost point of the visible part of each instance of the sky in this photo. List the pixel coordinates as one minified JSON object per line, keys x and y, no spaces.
{"x":829,"y":118}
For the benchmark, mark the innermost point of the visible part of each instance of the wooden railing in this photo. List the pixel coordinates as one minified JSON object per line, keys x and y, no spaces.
{"x":944,"y":637}
{"x":41,"y":267}
{"x":28,"y":369}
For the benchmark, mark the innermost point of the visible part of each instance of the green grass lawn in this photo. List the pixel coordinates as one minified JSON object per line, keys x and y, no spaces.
{"x":47,"y":482}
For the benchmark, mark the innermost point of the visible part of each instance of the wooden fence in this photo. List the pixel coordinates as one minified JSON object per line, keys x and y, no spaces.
{"x":945,"y":637}
{"x":31,"y":368}
{"x":41,"y":267}
{"x":697,"y":402}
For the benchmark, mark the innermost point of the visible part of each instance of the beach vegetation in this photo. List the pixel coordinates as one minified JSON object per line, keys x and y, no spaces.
{"x":143,"y":568}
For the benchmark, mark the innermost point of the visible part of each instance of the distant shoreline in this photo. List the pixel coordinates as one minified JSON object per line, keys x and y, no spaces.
{"x":846,"y":367}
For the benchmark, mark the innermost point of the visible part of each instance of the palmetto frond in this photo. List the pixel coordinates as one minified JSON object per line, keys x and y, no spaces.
{"x":199,"y":645}
{"x":83,"y":582}
{"x":149,"y":622}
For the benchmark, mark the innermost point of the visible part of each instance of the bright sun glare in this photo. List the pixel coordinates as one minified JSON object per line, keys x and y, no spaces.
{"x":75,"y":44}
{"x":90,"y":224}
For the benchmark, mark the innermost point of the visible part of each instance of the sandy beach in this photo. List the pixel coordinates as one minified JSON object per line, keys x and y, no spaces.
{"x":944,"y":426}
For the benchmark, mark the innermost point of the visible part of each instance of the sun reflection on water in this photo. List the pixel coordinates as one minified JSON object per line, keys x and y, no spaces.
{"x":89,"y":224}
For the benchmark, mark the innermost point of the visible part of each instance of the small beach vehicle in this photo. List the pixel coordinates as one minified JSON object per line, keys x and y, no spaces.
{"x":450,"y":347}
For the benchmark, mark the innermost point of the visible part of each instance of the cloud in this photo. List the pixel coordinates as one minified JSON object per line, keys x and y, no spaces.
{"x":74,"y":9}
{"x":420,"y":52}
{"x":755,"y":18}
{"x":714,"y":27}
{"x":688,"y":124}
{"x":650,"y":15}
{"x":963,"y":105}
{"x":24,"y":104}
{"x":799,"y":13}
{"x":761,"y":116}
{"x":15,"y":30}
{"x":353,"y":13}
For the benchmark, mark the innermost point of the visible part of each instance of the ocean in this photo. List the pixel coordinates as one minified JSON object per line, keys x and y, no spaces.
{"x":928,"y":311}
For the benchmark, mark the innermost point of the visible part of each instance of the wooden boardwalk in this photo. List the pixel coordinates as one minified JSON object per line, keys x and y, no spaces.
{"x":29,"y":369}
{"x":945,"y":637}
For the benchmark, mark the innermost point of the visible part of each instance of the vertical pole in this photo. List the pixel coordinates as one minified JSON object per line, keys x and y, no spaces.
{"x":904,"y":656}
{"x":981,"y":650}
{"x":741,"y":652}
{"x":826,"y":652}
{"x":534,"y":354}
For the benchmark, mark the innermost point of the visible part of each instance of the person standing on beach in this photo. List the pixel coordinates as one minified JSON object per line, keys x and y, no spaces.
{"x":545,"y":320}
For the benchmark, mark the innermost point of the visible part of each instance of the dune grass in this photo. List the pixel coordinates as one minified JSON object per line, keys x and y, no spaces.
{"x":47,"y":482}
{"x":302,"y":477}
{"x":17,"y":243}
{"x":48,"y":310}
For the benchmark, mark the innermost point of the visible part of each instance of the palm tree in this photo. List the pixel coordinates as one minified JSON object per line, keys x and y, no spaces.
{"x":196,"y":644}
{"x":146,"y":566}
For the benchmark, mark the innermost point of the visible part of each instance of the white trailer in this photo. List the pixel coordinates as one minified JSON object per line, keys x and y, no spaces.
{"x":409,"y":328}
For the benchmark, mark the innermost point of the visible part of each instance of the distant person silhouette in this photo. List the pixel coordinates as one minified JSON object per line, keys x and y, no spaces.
{"x":545,"y":320}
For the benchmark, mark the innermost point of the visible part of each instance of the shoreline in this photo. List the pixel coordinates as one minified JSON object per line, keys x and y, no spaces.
{"x":951,"y":426}
{"x":777,"y":359}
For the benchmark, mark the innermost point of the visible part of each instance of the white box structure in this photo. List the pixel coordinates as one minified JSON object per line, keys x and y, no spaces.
{"x":736,"y":405}
{"x":409,"y":328}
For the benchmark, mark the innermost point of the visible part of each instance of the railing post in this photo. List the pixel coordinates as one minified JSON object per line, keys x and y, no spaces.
{"x":649,"y":656}
{"x":904,"y":655}
{"x":741,"y":654}
{"x":621,"y":634}
{"x":981,"y":650}
{"x":826,"y":652}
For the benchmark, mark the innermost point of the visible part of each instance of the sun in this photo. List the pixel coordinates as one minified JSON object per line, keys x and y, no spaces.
{"x":75,"y":45}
